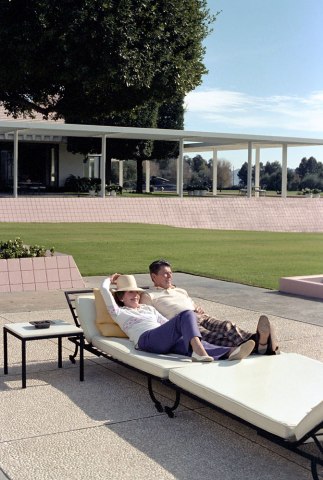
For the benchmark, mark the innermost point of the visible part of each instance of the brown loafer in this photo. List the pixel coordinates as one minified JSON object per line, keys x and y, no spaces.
{"x":266,"y":340}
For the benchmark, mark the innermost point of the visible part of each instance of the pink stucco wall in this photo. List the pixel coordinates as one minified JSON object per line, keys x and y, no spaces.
{"x":233,"y":213}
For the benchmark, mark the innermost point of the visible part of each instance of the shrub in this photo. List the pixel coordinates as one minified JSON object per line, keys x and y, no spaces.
{"x":16,"y":249}
{"x":82,"y":185}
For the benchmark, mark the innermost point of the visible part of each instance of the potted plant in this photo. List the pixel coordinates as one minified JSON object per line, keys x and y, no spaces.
{"x":190,"y":190}
{"x":307,"y":192}
{"x":113,"y":189}
{"x":94,"y":186}
{"x":203,"y":190}
{"x":316,"y":193}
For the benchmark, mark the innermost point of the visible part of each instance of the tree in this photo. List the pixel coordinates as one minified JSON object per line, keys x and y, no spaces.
{"x":170,"y":115}
{"x":123,"y":149}
{"x":101,"y":62}
{"x":307,"y":166}
{"x":272,"y":167}
{"x":200,"y":173}
{"x":224,"y":174}
{"x":86,"y":59}
{"x":243,"y":175}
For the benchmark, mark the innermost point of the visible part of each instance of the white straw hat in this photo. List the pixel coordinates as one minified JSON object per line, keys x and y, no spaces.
{"x":127,"y":283}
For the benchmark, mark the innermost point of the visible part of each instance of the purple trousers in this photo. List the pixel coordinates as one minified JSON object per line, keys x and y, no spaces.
{"x":175,"y":335}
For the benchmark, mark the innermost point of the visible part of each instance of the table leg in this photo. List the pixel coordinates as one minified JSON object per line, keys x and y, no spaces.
{"x":81,"y":358}
{"x":5,"y":351}
{"x":60,"y":363}
{"x":23,"y":363}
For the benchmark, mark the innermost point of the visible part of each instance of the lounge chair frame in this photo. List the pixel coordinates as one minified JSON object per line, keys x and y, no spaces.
{"x":316,"y":434}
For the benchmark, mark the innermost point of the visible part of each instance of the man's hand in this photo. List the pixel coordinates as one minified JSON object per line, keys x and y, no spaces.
{"x":198,"y":309}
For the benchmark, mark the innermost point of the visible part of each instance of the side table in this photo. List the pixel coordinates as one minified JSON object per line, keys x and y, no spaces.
{"x":26,"y":332}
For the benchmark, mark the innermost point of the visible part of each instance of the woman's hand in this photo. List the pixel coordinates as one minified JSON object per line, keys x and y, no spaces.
{"x":198,"y":309}
{"x":114,"y":277}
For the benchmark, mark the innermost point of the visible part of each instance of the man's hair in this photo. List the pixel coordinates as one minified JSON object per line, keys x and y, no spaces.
{"x":157,"y":264}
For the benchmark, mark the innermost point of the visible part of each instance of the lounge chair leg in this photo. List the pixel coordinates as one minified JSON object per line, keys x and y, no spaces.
{"x":170,"y":410}
{"x":317,"y":443}
{"x":72,"y":357}
{"x":158,"y":405}
{"x":314,"y":471}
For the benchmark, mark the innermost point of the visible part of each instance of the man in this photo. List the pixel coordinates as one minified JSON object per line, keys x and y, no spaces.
{"x":170,"y":300}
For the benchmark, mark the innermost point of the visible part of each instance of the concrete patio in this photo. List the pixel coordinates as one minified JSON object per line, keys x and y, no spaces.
{"x":107,"y":427}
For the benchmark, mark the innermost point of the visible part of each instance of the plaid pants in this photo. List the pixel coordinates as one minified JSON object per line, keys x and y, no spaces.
{"x":222,"y":333}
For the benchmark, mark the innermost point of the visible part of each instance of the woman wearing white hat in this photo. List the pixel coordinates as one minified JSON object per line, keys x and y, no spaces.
{"x":152,"y":332}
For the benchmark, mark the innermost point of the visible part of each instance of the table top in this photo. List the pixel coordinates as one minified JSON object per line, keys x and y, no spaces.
{"x":57,"y":328}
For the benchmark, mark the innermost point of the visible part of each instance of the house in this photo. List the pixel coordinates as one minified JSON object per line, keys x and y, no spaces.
{"x":36,"y":151}
{"x":43,"y":158}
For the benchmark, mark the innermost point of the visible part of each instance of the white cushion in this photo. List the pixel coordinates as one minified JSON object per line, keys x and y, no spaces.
{"x":282,"y":394}
{"x":86,"y":312}
{"x":123,"y":349}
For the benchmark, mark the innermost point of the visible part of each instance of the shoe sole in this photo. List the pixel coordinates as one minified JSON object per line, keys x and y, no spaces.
{"x":244,"y":352}
{"x":264,"y":327}
{"x":206,"y":360}
{"x":263,"y":334}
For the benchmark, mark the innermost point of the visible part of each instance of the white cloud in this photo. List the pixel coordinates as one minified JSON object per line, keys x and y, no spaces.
{"x":226,"y":110}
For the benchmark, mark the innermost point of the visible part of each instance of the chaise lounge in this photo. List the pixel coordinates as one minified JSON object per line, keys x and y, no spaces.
{"x":287,"y":408}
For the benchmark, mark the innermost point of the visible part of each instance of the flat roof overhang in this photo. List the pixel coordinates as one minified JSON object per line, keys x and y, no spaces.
{"x":193,"y":140}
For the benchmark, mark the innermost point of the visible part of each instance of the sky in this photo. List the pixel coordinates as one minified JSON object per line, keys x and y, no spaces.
{"x":265,"y":75}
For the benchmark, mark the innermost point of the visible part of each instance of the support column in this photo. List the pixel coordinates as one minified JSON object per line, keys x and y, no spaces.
{"x":180,"y":166}
{"x":257,"y":172}
{"x":147,"y":173}
{"x":121,"y":173}
{"x":15,"y":163}
{"x":177,"y":175}
{"x":103,"y":164}
{"x":249,"y":179}
{"x":215,"y":172}
{"x":284,"y":171}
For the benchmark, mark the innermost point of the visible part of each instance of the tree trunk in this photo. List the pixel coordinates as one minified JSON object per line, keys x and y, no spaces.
{"x":139,"y":176}
{"x":108,"y":170}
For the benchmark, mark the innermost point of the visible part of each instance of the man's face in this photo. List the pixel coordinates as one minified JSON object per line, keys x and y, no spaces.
{"x":163,"y":278}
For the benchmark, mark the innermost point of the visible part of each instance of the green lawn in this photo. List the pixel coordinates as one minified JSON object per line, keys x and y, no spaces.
{"x":253,"y":258}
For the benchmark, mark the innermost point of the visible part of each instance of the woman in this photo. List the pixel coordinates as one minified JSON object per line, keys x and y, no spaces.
{"x":152,"y":332}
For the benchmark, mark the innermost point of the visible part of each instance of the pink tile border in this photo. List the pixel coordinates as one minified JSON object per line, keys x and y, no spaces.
{"x":5,"y":288}
{"x":29,"y":287}
{"x":42,"y":273}
{"x":15,"y":277}
{"x":28,"y":277}
{"x":26,"y":264}
{"x":40,"y":276}
{"x":4,"y":278}
{"x":291,"y":214}
{"x":14,"y":265}
{"x":50,"y":262}
{"x":3,"y":265}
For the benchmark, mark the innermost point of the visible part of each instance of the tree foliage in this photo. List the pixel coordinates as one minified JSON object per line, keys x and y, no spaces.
{"x":309,"y":174}
{"x":104,"y":62}
{"x":308,"y":167}
{"x":224,"y":174}
{"x":88,"y":60}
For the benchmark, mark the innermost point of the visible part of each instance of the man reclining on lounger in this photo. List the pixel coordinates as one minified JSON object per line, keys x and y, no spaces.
{"x":170,"y":300}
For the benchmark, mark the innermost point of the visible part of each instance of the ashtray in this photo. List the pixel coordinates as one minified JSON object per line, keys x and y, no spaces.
{"x":41,"y":323}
